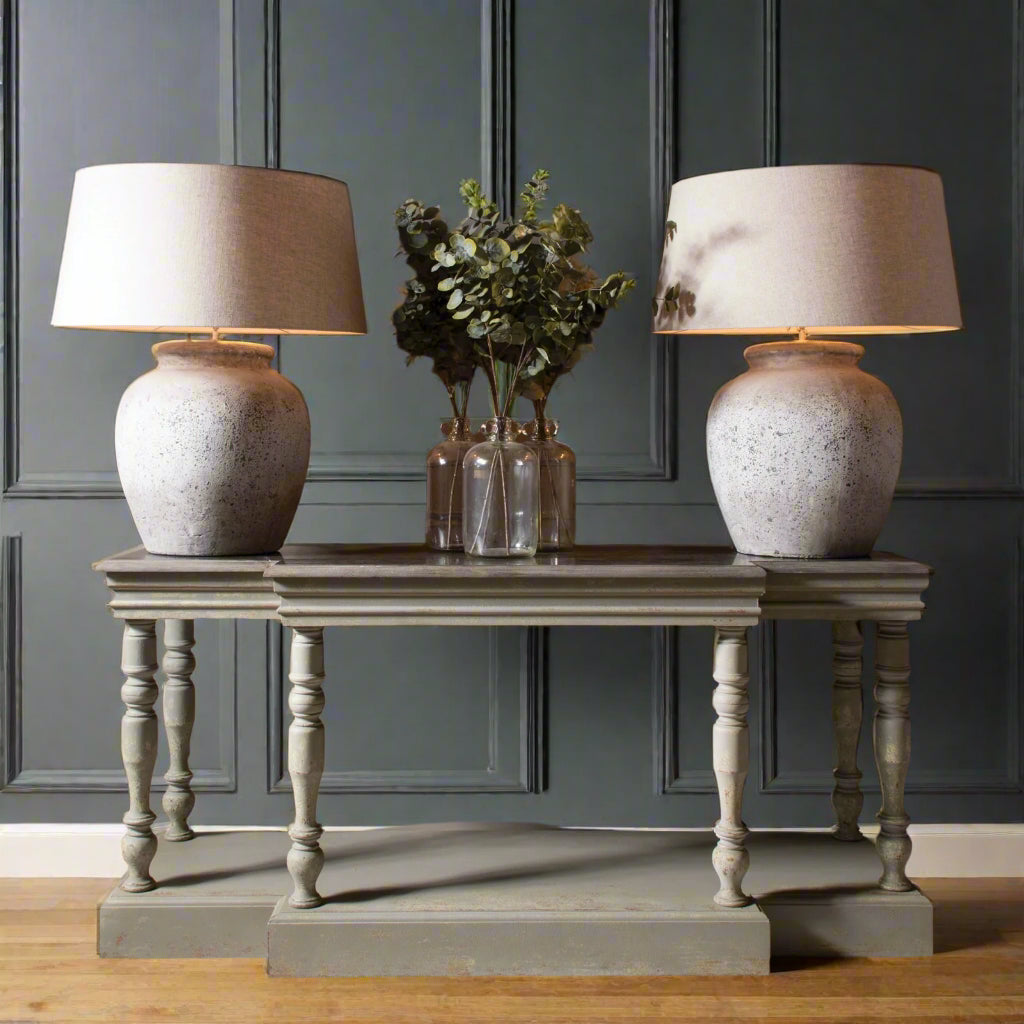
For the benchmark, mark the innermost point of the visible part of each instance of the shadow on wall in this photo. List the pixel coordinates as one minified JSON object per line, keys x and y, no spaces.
{"x":675,"y":300}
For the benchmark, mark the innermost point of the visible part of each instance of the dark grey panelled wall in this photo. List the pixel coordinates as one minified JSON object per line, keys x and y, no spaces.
{"x":617,"y":98}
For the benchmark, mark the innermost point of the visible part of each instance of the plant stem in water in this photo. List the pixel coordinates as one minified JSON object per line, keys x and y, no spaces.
{"x":451,"y":504}
{"x":483,"y":518}
{"x":504,"y":504}
{"x":545,"y":466}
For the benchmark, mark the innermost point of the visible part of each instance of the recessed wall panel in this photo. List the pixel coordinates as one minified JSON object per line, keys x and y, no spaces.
{"x":110,"y":82}
{"x":926,"y":82}
{"x":385,"y":96}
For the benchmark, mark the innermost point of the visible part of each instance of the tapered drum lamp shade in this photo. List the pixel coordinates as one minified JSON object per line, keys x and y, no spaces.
{"x":804,"y":448}
{"x":213,"y":444}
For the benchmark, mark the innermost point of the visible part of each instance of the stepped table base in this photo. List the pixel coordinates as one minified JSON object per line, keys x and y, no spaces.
{"x":515,"y":899}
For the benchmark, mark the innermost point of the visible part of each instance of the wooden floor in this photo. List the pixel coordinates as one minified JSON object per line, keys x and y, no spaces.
{"x":49,"y":971}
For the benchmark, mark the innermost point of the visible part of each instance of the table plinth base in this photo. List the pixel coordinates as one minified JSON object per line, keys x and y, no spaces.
{"x":514,"y":899}
{"x":822,"y":898}
{"x":336,"y":941}
{"x":214,"y":896}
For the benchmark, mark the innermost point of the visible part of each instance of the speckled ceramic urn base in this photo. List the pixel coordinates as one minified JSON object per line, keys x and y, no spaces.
{"x":804,"y":451}
{"x":212,"y":449}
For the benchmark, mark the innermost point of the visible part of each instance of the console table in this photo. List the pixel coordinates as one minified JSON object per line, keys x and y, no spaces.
{"x":308,"y":587}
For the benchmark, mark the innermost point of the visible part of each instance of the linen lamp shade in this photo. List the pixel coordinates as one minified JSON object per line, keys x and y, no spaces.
{"x":194,"y":247}
{"x":832,"y":248}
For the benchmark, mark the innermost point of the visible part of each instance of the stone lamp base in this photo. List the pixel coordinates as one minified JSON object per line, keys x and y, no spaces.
{"x":804,"y":450}
{"x":212,"y":449}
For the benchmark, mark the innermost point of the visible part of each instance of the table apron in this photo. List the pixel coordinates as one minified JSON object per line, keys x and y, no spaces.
{"x":413,"y":618}
{"x":841,"y":595}
{"x":185,"y":605}
{"x":598,"y":603}
{"x":878,"y":607}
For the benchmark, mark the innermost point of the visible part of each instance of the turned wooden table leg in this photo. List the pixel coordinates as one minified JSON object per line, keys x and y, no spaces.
{"x":306,"y":762}
{"x":892,"y":750}
{"x":731,"y":759}
{"x":138,"y":750}
{"x":847,"y":711}
{"x":179,"y":705}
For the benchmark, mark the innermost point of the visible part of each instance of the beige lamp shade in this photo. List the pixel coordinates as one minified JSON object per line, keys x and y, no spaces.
{"x":193,"y":247}
{"x":832,"y":248}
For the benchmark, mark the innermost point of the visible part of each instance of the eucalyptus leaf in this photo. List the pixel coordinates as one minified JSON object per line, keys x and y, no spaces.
{"x":497,"y":248}
{"x":462,"y":246}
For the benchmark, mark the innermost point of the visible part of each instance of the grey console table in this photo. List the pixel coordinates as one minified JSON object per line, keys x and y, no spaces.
{"x":308,"y":587}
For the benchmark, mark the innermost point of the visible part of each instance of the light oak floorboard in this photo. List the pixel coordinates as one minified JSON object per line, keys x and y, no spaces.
{"x":49,"y":971}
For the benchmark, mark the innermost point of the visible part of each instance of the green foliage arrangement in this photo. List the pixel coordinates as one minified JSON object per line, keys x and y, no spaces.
{"x":423,"y":326}
{"x":510,"y":295}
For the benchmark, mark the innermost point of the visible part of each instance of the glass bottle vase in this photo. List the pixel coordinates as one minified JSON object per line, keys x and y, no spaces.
{"x":557,"y":473}
{"x":500,"y":495}
{"x":444,"y":485}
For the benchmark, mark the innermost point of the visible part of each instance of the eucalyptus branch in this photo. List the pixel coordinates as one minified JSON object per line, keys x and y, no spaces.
{"x":520,"y":364}
{"x":464,"y":387}
{"x":450,"y":388}
{"x":491,"y":370}
{"x":510,"y":296}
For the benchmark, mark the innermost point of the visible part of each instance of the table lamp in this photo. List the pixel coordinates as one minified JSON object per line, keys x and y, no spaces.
{"x":213,"y":444}
{"x":804,"y":448}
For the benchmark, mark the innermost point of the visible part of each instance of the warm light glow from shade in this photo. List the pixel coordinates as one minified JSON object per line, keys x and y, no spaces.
{"x":817,"y":332}
{"x":201,"y":330}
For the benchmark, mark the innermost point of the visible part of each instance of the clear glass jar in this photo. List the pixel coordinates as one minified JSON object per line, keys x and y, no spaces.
{"x":500,"y":495}
{"x":444,"y":485}
{"x":557,"y":485}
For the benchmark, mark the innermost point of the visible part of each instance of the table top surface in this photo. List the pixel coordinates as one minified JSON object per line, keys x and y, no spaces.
{"x":409,"y":584}
{"x":417,"y":561}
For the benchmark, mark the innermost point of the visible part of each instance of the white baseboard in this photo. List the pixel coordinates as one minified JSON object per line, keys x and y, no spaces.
{"x":94,"y":851}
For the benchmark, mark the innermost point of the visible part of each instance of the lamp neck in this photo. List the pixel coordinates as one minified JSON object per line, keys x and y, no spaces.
{"x":187,"y":355}
{"x":779,"y":354}
{"x":214,"y":337}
